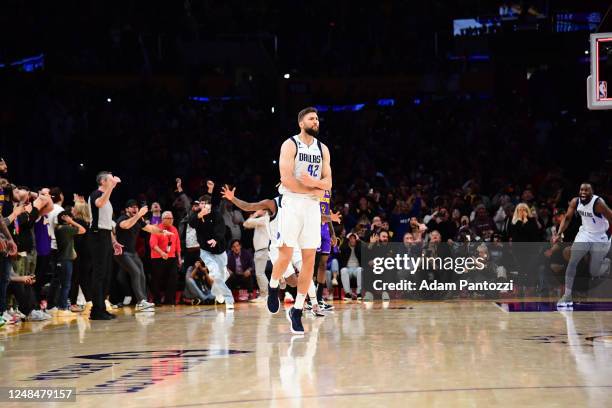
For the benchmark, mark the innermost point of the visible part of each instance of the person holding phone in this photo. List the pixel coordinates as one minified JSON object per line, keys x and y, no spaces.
{"x":210,"y":231}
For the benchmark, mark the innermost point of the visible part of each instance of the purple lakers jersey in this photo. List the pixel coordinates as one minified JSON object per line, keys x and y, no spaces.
{"x":325,"y":203}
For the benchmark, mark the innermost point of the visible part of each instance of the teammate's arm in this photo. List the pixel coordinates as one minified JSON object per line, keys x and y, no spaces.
{"x":286,"y":163}
{"x":229,"y":195}
{"x":325,"y":183}
{"x":333,"y":217}
{"x":566,"y":220}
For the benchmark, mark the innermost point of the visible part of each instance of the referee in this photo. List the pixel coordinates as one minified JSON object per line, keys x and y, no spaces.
{"x":101,"y":242}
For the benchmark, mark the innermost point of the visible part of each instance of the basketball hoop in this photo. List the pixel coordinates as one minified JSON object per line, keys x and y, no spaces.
{"x":598,"y":97}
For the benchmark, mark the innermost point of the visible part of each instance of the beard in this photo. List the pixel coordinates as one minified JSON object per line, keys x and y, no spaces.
{"x":311,"y":131}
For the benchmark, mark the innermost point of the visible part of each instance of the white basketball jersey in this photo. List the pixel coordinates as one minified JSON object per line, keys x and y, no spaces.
{"x":308,"y":159}
{"x":273,"y":224}
{"x":591,"y":222}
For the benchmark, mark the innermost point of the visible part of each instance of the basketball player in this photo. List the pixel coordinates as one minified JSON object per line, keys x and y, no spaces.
{"x":328,"y":239}
{"x":593,"y":237}
{"x":304,"y":165}
{"x":272,"y":206}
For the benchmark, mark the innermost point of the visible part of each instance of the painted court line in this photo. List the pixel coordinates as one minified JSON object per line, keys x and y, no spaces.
{"x":370,"y":393}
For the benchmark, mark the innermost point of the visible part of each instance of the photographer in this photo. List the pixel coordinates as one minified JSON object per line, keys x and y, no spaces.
{"x":198,"y":283}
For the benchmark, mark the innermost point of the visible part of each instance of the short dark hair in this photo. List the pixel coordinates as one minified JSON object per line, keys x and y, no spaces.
{"x":130,"y":203}
{"x":305,"y":112}
{"x":233,"y":241}
{"x":60,"y":221}
{"x":206,"y":199}
{"x":56,"y":194}
{"x":101,"y":176}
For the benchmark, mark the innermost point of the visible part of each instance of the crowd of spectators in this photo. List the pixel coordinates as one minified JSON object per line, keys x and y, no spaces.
{"x":446,"y":170}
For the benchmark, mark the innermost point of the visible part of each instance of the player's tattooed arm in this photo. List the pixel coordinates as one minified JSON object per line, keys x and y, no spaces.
{"x":566,"y":220}
{"x":230,"y":195}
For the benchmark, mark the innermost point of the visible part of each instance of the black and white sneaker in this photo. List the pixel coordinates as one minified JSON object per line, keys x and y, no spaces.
{"x":144,"y":305}
{"x":315,"y":310}
{"x":273,"y":302}
{"x":325,"y":307}
{"x":295,"y":318}
{"x":307,"y":305}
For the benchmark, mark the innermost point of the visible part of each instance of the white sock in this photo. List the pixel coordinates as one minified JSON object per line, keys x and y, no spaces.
{"x":312,"y":292}
{"x":127,"y":300}
{"x":299,"y":301}
{"x":273,"y":283}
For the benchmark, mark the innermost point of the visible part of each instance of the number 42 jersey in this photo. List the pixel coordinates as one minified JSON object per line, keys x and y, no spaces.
{"x":308,"y":159}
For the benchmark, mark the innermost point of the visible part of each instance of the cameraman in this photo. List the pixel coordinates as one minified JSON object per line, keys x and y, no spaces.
{"x":198,"y":283}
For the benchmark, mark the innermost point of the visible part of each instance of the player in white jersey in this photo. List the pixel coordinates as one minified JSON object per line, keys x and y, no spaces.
{"x":593,"y":237}
{"x":305,"y":170}
{"x":272,"y":206}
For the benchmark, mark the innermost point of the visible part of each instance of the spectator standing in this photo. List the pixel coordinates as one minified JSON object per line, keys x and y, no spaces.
{"x":156,"y":214}
{"x":165,"y":259}
{"x":259,"y":221}
{"x":210,"y":229}
{"x":65,"y":231}
{"x":233,"y":219}
{"x":129,"y":225}
{"x":189,"y":237}
{"x":81,"y":269}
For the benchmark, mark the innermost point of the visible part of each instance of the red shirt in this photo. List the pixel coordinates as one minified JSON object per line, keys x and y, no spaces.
{"x":165,"y":241}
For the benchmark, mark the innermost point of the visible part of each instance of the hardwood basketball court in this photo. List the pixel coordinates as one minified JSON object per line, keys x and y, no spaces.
{"x":429,"y":354}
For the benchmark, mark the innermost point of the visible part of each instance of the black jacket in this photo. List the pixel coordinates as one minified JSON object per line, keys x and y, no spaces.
{"x":25,"y":237}
{"x":345,"y":253}
{"x":525,"y":232}
{"x":210,"y":227}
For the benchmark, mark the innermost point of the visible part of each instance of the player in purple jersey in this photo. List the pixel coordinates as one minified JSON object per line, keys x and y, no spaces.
{"x":328,"y":240}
